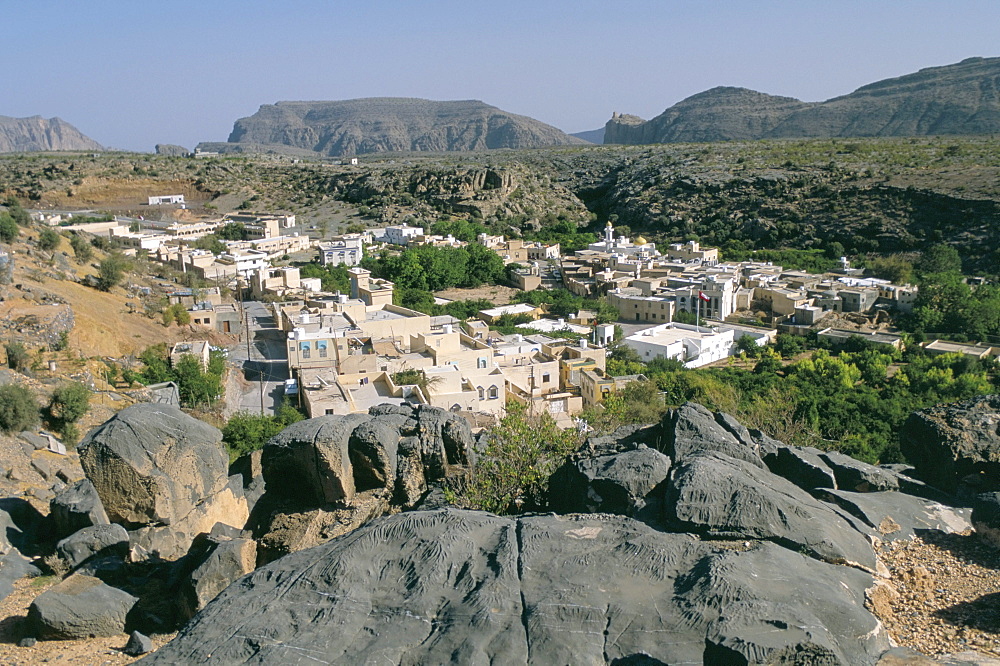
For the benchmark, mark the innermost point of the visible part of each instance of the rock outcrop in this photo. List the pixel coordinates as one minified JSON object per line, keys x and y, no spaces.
{"x":456,"y":586}
{"x":955,"y":444}
{"x":164,"y":475}
{"x":961,"y":99}
{"x":388,"y":124}
{"x":36,"y":133}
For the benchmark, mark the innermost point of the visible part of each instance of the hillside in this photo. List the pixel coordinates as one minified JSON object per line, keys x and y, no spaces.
{"x":385,"y":124}
{"x":959,"y":99}
{"x":38,"y":134}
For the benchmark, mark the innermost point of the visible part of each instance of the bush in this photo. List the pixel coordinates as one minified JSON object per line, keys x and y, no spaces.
{"x":81,"y":248}
{"x":69,"y":402}
{"x":8,"y":228}
{"x":18,"y":408}
{"x":17,"y":356}
{"x":48,"y":240}
{"x":111,"y":271}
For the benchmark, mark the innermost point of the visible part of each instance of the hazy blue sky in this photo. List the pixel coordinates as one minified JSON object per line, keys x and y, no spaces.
{"x":133,"y":73}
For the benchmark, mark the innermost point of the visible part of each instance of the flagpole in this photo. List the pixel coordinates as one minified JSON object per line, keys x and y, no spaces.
{"x":697,"y":316}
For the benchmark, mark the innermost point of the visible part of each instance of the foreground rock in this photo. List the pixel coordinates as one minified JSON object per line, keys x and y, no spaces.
{"x":469,"y":587}
{"x":80,"y":607}
{"x":77,"y":507}
{"x":956,"y":443}
{"x":160,"y":471}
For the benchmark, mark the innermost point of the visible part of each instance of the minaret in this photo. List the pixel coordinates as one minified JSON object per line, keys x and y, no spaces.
{"x":609,"y":234}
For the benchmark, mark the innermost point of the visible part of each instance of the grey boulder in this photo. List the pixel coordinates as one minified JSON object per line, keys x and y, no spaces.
{"x":893,"y":515}
{"x":76,"y":507}
{"x":720,"y":496}
{"x":469,"y":587}
{"x":625,"y":483}
{"x":857,"y":476}
{"x":803,"y":466}
{"x":152,"y":464}
{"x":93,"y":541}
{"x":692,"y":429}
{"x":80,"y":607}
{"x":309,"y":461}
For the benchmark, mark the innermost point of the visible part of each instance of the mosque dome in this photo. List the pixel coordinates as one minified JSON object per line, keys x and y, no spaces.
{"x":640,"y":241}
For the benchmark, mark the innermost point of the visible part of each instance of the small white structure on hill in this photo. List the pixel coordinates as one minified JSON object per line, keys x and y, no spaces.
{"x":166,"y":199}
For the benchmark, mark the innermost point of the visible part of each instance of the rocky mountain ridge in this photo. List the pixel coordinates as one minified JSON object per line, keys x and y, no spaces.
{"x":39,"y":134}
{"x":389,"y":124}
{"x":958,"y":99}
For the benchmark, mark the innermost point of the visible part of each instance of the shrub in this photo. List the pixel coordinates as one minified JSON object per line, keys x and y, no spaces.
{"x":111,"y":271}
{"x":48,"y":240}
{"x":69,"y":402}
{"x":17,"y":356}
{"x":18,"y":408}
{"x":8,"y":228}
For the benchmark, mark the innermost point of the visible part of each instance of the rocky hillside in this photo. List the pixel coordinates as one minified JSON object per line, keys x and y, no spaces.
{"x":19,"y":135}
{"x":385,"y":124}
{"x":960,"y":99}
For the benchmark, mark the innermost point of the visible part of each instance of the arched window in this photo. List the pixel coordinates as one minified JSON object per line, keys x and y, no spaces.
{"x":482,"y":393}
{"x":494,"y":393}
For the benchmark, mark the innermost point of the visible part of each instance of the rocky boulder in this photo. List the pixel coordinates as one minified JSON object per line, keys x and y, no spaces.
{"x":627,"y":483}
{"x":309,"y":461}
{"x":80,"y":607}
{"x":94,"y":541}
{"x":222,"y":556}
{"x":720,"y":496}
{"x":468,"y":587}
{"x":986,"y":517}
{"x":152,"y":464}
{"x":163,"y":474}
{"x":956,"y":442}
{"x":77,"y":507}
{"x":692,"y":429}
{"x":803,"y":466}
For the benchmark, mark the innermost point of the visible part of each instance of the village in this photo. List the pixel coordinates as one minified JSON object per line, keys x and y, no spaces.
{"x":346,"y":352}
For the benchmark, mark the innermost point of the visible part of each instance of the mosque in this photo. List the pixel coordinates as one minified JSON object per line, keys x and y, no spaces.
{"x":640,"y":249}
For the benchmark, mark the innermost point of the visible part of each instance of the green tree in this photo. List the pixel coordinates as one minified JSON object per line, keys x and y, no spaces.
{"x":111,"y":271}
{"x":234,"y":231}
{"x":520,"y":454}
{"x":20,"y":216}
{"x":81,"y":248}
{"x":69,"y":402}
{"x":196,"y":386}
{"x":18,"y":408}
{"x":48,"y":240}
{"x":9,"y":230}
{"x":17,"y":356}
{"x":940,"y":259}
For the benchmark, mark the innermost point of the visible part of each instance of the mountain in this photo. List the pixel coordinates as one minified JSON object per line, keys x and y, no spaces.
{"x":963,"y":98}
{"x":36,"y":133}
{"x":390,"y":124}
{"x":591,"y":136}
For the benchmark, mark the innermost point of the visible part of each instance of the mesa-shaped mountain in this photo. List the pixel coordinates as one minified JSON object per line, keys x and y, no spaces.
{"x":390,"y":124}
{"x":36,"y":133}
{"x":963,"y":98}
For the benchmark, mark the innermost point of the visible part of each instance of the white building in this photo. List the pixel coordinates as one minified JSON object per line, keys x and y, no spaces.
{"x":623,"y":245}
{"x":344,"y":251}
{"x":694,"y":346}
{"x":400,"y":234}
{"x":166,"y":199}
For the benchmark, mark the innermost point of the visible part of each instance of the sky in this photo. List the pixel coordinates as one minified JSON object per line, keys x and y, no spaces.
{"x":133,"y":73}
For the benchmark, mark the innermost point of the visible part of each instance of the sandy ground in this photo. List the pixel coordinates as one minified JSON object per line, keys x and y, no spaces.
{"x":13,"y":627}
{"x":496,"y":294}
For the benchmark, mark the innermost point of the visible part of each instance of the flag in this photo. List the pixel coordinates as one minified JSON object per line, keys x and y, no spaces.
{"x":704,"y":297}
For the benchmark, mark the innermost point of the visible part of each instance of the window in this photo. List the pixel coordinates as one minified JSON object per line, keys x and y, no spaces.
{"x":482,"y":393}
{"x":494,"y":393}
{"x":545,"y":378}
{"x":481,"y":362}
{"x":321,"y":346}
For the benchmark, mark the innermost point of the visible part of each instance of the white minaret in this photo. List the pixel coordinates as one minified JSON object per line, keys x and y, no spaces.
{"x":609,"y":234}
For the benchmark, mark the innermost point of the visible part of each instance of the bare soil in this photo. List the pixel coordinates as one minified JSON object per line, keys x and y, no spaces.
{"x":943,"y":595}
